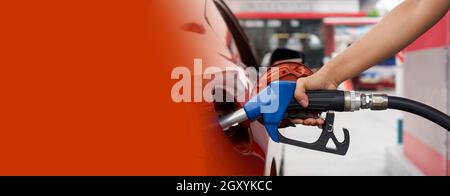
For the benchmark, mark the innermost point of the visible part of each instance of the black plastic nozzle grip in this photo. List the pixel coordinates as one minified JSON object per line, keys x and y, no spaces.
{"x":321,"y":101}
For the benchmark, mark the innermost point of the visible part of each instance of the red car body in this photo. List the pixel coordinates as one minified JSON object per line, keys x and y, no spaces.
{"x":218,"y":40}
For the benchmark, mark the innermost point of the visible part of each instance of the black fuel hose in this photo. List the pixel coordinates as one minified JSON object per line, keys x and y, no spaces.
{"x":344,"y":101}
{"x":420,"y":109}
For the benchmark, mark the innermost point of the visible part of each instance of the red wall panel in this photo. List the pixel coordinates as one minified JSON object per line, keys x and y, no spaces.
{"x":438,"y":36}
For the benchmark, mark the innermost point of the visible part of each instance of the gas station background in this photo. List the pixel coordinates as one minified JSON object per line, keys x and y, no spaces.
{"x":323,"y":28}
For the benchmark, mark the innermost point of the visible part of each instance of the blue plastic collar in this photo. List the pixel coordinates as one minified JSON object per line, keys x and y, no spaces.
{"x":271,"y":104}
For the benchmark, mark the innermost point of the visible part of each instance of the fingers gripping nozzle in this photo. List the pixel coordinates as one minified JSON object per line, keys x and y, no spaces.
{"x":341,"y":101}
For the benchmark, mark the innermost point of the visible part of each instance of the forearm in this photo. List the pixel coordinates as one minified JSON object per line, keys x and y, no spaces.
{"x":396,"y":31}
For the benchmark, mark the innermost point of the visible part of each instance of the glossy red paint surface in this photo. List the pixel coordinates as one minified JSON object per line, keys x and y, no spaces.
{"x":212,"y":44}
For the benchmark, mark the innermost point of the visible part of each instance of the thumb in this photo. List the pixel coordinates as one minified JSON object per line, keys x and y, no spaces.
{"x":300,"y":92}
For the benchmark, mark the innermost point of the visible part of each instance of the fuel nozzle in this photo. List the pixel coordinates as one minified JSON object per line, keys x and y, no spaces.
{"x":341,"y":101}
{"x":281,"y":94}
{"x":319,"y":101}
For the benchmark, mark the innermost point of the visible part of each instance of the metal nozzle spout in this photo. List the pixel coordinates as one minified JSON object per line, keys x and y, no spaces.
{"x":234,"y":118}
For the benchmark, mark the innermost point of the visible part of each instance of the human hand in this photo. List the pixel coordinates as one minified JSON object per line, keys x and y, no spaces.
{"x":314,"y":82}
